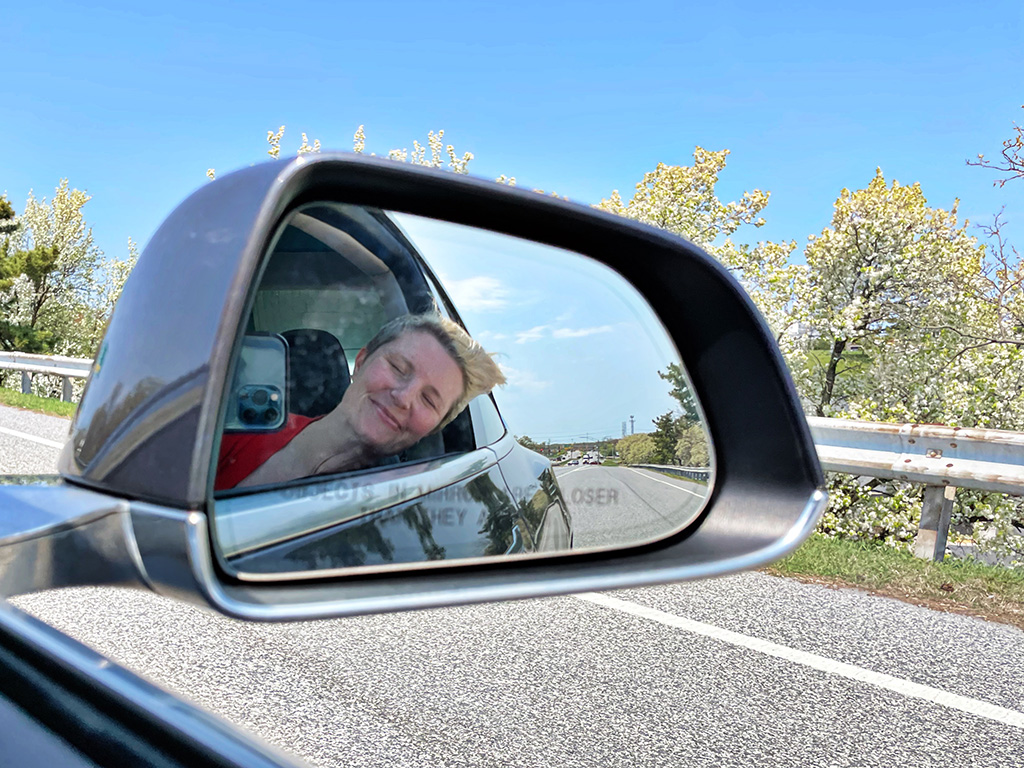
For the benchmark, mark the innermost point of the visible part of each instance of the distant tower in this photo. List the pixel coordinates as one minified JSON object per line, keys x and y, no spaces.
{"x":631,"y":431}
{"x":623,"y":429}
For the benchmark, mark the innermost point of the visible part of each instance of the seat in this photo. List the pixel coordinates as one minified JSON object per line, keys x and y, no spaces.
{"x":317,"y":371}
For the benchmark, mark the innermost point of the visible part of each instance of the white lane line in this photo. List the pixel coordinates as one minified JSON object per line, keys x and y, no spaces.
{"x":33,"y":438}
{"x":878,"y":679}
{"x":670,"y":485}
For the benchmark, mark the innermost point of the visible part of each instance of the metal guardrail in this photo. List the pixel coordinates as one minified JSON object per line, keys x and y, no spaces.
{"x":942,"y":458}
{"x":983,"y":459}
{"x":50,"y":365}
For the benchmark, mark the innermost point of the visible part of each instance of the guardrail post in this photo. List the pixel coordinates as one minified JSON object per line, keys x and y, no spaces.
{"x":936,"y":511}
{"x":65,"y":389}
{"x":26,"y":383}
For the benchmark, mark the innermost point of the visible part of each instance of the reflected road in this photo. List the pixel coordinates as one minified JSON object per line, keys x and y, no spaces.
{"x":615,"y":506}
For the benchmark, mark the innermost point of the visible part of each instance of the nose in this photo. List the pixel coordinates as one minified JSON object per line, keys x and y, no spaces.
{"x":402,"y":396}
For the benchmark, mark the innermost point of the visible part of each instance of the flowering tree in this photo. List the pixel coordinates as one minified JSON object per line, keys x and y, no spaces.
{"x":56,"y":290}
{"x":418,"y":156}
{"x":637,"y":449}
{"x":912,"y":320}
{"x":880,"y":290}
{"x":995,"y":337}
{"x":682,"y":199}
{"x":692,"y":447}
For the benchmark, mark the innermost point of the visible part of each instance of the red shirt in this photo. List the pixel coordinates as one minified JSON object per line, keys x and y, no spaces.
{"x":242,"y":453}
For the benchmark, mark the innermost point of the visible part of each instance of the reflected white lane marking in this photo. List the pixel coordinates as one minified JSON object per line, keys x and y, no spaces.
{"x":33,"y":438}
{"x":569,"y":472}
{"x":670,"y":485}
{"x":878,"y":679}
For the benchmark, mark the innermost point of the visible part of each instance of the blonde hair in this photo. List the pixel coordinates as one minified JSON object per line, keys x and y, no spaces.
{"x":480,"y":374}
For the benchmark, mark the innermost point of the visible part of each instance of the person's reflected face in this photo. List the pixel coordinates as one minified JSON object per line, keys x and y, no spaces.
{"x":400,"y":393}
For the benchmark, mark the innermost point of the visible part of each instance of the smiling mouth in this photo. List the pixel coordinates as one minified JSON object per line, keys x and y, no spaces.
{"x":385,"y":416}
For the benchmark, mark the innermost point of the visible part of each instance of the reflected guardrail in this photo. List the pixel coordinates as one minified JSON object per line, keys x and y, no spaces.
{"x":691,"y":473}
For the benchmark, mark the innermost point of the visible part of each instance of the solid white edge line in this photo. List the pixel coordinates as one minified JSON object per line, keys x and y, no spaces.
{"x":670,"y":485}
{"x":33,"y":438}
{"x":829,"y":666}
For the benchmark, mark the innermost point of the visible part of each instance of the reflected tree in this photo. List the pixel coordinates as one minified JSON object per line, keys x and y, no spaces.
{"x":499,"y":515}
{"x":417,"y":518}
{"x":681,"y":392}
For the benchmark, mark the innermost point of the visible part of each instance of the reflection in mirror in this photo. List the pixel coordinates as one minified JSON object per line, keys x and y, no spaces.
{"x":593,"y":439}
{"x":257,"y":394}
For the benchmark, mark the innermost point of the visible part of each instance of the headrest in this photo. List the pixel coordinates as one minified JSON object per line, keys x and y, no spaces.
{"x":317,"y":371}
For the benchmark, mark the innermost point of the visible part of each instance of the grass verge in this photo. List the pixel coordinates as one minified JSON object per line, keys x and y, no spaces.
{"x":35,"y":403}
{"x":959,"y":586}
{"x":695,"y":481}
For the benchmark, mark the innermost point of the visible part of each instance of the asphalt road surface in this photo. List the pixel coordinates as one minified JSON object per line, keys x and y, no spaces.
{"x":741,"y":671}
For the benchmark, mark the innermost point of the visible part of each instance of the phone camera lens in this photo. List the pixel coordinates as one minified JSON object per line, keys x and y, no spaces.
{"x":260,"y":397}
{"x":270,"y":415}
{"x":249,"y":415}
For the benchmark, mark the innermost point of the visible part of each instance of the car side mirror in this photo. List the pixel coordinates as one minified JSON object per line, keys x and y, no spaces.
{"x":140,"y":502}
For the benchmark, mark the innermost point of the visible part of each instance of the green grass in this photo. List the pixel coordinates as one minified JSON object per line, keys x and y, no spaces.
{"x":963,"y":586}
{"x":680,"y":477}
{"x":35,"y":403}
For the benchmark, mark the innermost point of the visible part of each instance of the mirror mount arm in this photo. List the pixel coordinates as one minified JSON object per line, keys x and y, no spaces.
{"x":65,"y":536}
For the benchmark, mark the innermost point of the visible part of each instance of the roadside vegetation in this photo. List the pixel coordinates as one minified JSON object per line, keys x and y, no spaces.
{"x":57,"y":288}
{"x":897,"y":311}
{"x":963,"y":586}
{"x":47,"y":405}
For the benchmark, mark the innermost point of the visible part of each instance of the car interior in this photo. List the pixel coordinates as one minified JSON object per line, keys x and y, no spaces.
{"x":337,"y":273}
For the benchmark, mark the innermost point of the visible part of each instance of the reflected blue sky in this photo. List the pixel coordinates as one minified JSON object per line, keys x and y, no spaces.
{"x":581,"y":349}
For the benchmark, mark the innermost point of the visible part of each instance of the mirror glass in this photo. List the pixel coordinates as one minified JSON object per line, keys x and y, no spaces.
{"x":593,"y":439}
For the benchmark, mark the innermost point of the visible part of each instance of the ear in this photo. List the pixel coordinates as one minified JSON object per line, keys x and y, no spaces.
{"x":360,"y":357}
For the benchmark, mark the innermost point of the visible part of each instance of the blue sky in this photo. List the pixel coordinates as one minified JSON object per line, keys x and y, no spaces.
{"x":133,"y":105}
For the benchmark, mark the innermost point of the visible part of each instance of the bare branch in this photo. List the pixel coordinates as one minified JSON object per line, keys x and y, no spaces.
{"x":1013,"y":158}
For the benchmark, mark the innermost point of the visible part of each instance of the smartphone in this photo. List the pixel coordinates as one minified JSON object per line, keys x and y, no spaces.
{"x":258,"y":391}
